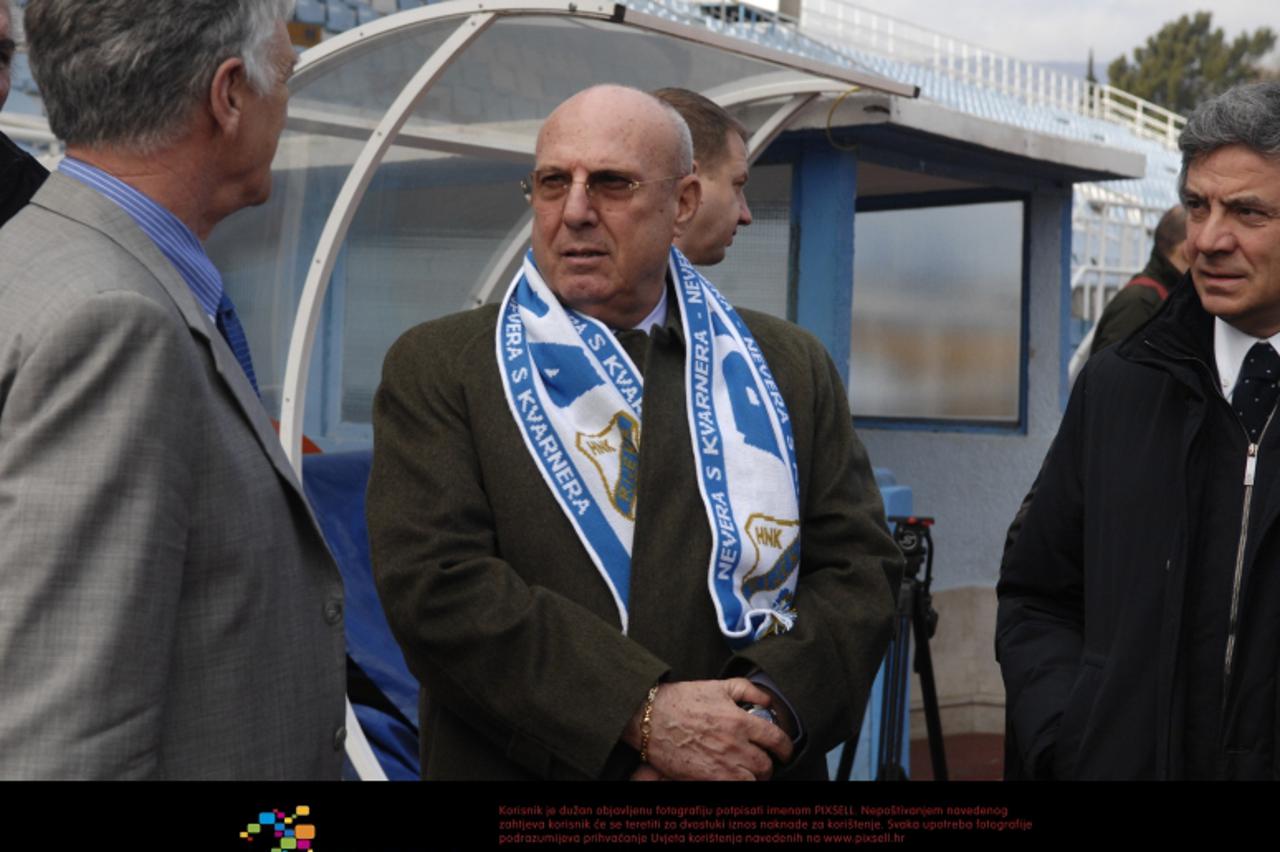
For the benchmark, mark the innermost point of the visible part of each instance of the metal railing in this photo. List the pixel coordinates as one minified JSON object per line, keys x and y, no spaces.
{"x":839,"y":23}
{"x":1111,"y":242}
{"x":744,"y":13}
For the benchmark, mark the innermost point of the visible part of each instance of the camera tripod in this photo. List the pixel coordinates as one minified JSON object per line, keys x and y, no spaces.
{"x":917,"y":615}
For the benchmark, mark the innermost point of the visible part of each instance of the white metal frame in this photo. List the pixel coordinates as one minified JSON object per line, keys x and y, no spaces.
{"x":475,"y":17}
{"x":302,"y":340}
{"x":317,"y":284}
{"x":504,"y":262}
{"x":776,"y":123}
{"x":458,"y":139}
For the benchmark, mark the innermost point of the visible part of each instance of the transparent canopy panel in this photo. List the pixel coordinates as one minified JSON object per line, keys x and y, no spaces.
{"x":754,"y":272}
{"x":366,"y":78}
{"x":416,"y":250}
{"x":522,"y":68}
{"x":264,"y":252}
{"x":421,"y":223}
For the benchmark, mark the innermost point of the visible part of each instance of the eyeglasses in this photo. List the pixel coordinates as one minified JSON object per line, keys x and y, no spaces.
{"x":550,"y":186}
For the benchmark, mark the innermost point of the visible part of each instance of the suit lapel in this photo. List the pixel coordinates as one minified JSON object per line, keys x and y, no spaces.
{"x":72,"y":199}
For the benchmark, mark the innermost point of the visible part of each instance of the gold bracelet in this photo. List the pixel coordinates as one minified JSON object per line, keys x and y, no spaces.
{"x":645,"y":720}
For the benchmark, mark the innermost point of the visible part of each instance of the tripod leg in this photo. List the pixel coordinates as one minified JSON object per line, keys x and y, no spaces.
{"x":891,"y":674}
{"x":929,"y":694}
{"x":893,"y":711}
{"x":894,"y":718}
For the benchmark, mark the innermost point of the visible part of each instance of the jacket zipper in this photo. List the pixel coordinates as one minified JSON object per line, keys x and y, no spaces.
{"x":1250,"y":470}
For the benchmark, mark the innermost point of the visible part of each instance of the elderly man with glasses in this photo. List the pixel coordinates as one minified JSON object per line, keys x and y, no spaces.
{"x":621,"y":529}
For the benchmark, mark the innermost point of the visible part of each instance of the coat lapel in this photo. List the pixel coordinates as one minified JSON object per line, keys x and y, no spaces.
{"x":72,"y":199}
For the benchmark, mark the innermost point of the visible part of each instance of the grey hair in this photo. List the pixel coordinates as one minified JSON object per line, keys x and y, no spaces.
{"x":684,"y":163}
{"x":1246,"y":115}
{"x":129,"y":72}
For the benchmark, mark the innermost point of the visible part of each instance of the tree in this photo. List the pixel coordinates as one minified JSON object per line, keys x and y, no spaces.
{"x":1189,"y":60}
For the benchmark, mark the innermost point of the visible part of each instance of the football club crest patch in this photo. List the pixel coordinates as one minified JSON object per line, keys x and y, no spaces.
{"x":777,"y":553}
{"x":615,"y":453}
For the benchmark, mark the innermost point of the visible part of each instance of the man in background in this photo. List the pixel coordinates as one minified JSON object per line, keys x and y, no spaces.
{"x":168,"y":608}
{"x":1139,"y":299}
{"x":720,"y":158}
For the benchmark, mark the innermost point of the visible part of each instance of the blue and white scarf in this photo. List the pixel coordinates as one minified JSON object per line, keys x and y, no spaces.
{"x":577,"y":398}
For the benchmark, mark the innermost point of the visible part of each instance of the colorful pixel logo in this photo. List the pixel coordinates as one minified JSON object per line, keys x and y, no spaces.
{"x":288,"y":832}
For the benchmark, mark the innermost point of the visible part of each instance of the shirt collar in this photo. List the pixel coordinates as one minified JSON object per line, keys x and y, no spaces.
{"x":174,"y":239}
{"x":1230,"y":346}
{"x":657,"y":316}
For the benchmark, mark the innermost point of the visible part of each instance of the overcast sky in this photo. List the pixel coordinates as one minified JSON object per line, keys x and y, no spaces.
{"x":1044,"y":31}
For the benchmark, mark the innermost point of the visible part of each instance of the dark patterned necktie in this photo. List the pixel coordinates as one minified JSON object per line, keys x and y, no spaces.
{"x":1255,"y":393}
{"x":229,"y":324}
{"x":636,"y":342}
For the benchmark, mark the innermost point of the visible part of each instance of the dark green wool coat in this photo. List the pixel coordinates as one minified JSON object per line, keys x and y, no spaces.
{"x":503,"y":616}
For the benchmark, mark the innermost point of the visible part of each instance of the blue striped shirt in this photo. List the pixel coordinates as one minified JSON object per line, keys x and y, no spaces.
{"x":171,"y":236}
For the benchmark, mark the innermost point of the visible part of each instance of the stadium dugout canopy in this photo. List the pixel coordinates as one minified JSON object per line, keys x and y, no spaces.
{"x":396,"y":184}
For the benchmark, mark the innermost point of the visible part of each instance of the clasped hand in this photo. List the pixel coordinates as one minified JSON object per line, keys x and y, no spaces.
{"x":699,"y":733}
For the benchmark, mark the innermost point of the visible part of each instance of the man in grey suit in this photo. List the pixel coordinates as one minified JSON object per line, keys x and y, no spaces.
{"x":168,"y":608}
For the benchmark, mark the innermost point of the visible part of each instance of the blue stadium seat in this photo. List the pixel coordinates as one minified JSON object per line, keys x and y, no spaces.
{"x":383,"y":692}
{"x":341,"y":17}
{"x":898,"y":500}
{"x":310,"y":12}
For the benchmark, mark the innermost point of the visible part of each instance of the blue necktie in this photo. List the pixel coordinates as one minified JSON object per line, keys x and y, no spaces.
{"x":229,"y":324}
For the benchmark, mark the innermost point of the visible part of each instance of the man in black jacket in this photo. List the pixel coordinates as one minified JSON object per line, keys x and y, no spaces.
{"x":20,"y":174}
{"x":1139,"y":622}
